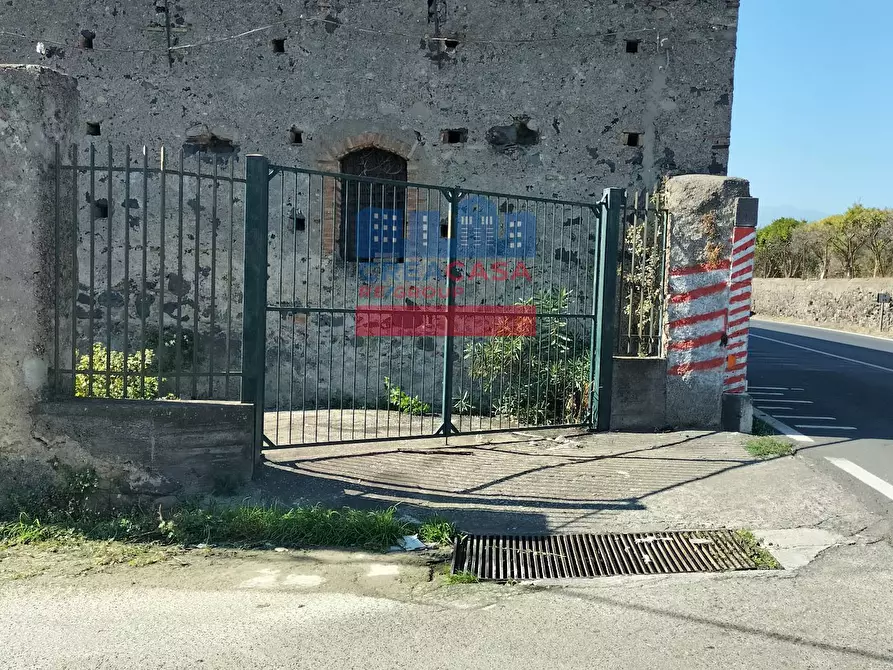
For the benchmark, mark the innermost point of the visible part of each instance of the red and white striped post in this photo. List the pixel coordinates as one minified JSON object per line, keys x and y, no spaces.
{"x":744,"y":237}
{"x":712,"y":229}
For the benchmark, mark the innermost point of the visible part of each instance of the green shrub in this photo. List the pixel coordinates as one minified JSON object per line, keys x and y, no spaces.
{"x":403,"y":402}
{"x":537,"y":380}
{"x":105,"y":378}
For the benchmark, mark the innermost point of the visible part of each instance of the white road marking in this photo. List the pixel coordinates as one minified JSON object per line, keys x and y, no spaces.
{"x":830,"y":330}
{"x":769,"y":388}
{"x":863,"y":476}
{"x":765,"y":393}
{"x":826,"y":427}
{"x":783,"y":428}
{"x":786,"y":401}
{"x":775,"y":409}
{"x":805,"y":418}
{"x":824,"y":353}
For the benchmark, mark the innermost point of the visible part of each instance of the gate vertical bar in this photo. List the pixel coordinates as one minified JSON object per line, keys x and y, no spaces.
{"x":605,"y":283}
{"x":254,"y":285}
{"x":446,"y":399}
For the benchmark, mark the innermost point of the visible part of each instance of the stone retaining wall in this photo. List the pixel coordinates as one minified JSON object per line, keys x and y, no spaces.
{"x":850,"y":304}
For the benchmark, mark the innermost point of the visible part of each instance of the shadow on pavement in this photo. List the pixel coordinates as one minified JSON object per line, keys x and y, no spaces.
{"x":515,"y":486}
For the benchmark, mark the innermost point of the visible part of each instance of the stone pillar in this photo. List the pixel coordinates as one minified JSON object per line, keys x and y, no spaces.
{"x":703,"y":213}
{"x":38,"y":108}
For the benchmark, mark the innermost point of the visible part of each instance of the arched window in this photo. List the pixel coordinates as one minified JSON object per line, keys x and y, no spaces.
{"x":373,"y":215}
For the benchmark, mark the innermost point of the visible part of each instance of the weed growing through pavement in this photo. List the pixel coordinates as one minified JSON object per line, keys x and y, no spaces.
{"x":462,"y":578}
{"x":759,"y":554}
{"x":437,"y":530}
{"x":768,"y":447}
{"x":761,"y":428}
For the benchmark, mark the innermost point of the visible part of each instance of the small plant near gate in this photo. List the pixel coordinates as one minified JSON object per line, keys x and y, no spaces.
{"x":642,"y":289}
{"x":537,"y":380}
{"x":437,"y":530}
{"x":768,"y":447}
{"x":403,"y":401}
{"x":105,"y":379}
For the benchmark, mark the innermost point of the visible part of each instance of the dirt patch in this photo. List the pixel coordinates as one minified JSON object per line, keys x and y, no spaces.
{"x":397,"y":576}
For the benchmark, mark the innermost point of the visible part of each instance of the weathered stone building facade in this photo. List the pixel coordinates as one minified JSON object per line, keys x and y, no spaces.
{"x":557,"y":99}
{"x":560,"y":98}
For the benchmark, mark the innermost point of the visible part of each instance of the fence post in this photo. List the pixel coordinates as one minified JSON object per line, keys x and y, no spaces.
{"x":446,"y":400}
{"x":254,"y":287}
{"x":613,"y":204}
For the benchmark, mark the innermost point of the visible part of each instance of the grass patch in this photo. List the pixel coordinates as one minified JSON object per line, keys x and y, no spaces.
{"x":462,"y":578}
{"x":62,"y":515}
{"x":437,"y":530}
{"x":769,"y":447}
{"x":242,"y":526}
{"x":756,"y":551}
{"x":761,"y":428}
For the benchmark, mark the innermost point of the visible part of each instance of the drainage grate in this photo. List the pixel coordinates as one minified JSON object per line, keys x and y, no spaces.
{"x":513,"y":558}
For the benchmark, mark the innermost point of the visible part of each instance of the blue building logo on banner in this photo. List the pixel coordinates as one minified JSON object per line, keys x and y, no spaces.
{"x":480,"y":232}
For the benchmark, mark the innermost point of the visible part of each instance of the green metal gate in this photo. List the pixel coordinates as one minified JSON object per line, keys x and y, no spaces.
{"x":377,"y":309}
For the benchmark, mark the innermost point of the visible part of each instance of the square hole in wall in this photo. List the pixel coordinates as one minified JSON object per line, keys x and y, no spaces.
{"x":295,"y":136}
{"x":454,"y":136}
{"x":300,"y":221}
{"x":632,"y":46}
{"x":278,"y":45}
{"x":444,"y":230}
{"x":100,"y":209}
{"x":451,"y":45}
{"x":92,"y":129}
{"x":632,"y":139}
{"x":86,"y":39}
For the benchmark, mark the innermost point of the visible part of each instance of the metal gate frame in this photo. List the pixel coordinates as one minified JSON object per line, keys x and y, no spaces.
{"x":609,"y":212}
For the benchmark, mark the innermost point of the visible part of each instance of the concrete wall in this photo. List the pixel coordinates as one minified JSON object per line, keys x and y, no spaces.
{"x":850,"y":304}
{"x":37,"y":108}
{"x":639,"y":396}
{"x":149,"y":447}
{"x":158,"y":447}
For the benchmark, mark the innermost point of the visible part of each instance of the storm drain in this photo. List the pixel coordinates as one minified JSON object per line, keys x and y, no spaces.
{"x":516,"y":558}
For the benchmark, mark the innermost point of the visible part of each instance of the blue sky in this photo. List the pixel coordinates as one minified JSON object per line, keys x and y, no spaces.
{"x":812,"y":125}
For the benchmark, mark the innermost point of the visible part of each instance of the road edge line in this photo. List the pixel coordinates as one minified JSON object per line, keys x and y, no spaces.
{"x":783,"y":428}
{"x":825,"y":353}
{"x":758,"y":320}
{"x":882,"y":486}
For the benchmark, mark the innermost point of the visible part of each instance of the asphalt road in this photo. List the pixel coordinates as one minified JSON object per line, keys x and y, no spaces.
{"x":833,"y":393}
{"x":836,"y":613}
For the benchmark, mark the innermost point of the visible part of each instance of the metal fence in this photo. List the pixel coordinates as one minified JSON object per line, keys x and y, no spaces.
{"x":405,"y":310}
{"x":642,"y":288}
{"x":148,"y":305}
{"x":391,"y":309}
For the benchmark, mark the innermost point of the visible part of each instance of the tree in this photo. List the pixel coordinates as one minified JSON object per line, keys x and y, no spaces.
{"x":821,"y":234}
{"x":848,"y":237}
{"x":878,"y":225}
{"x":810,"y":248}
{"x":775,"y":251}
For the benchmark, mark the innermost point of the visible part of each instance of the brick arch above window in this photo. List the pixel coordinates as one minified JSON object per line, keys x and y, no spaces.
{"x":330,"y":161}
{"x":330,"y":158}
